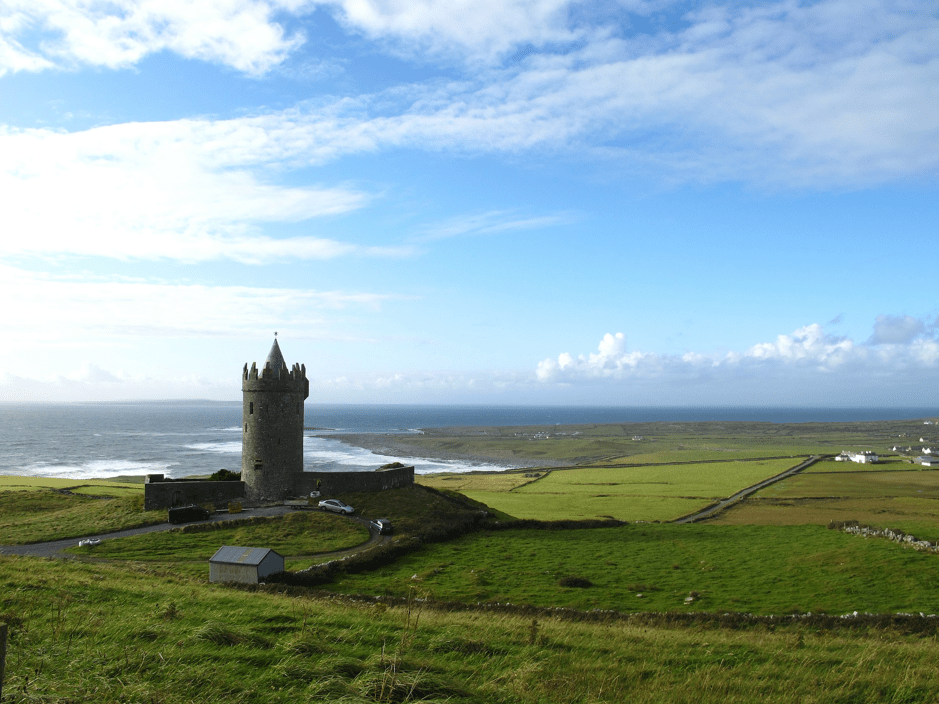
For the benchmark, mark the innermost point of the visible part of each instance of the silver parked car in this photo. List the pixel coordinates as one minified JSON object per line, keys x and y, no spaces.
{"x":337,"y":506}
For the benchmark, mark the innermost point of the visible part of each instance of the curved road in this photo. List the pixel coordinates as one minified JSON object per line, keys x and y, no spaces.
{"x":714,"y":509}
{"x":56,"y":548}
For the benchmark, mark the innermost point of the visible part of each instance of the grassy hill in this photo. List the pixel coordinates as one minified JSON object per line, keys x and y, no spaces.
{"x":756,"y":604}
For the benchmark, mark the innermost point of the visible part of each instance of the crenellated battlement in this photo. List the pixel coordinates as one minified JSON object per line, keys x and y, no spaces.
{"x":270,"y":379}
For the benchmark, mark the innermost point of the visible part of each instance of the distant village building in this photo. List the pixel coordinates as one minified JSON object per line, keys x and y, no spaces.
{"x":866,"y":457}
{"x":928,"y":461}
{"x":244,"y":565}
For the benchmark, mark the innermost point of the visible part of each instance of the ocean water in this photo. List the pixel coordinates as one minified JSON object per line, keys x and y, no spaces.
{"x":83,"y":441}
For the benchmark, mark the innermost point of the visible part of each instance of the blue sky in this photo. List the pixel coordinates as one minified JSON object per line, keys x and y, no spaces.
{"x":623,"y":202}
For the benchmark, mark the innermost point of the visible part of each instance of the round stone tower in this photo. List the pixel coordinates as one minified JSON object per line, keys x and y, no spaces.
{"x":272,"y":415}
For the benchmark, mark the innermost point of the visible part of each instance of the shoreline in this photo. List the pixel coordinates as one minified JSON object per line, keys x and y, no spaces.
{"x":396,"y":445}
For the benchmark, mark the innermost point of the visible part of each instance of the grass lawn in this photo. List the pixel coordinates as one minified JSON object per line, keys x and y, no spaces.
{"x":95,"y":487}
{"x":100,"y":633}
{"x":558,"y":506}
{"x":885,"y":465}
{"x":652,"y":493}
{"x":44,"y":514}
{"x":753,"y":569}
{"x":296,"y":534}
{"x":907,"y":499}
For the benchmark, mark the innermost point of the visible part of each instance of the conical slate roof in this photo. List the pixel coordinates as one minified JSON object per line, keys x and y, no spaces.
{"x":275,"y":359}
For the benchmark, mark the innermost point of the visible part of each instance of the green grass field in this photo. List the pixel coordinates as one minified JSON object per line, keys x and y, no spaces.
{"x":296,"y":534}
{"x":135,"y":619}
{"x":44,"y":514}
{"x":648,"y":493}
{"x":103,"y":633}
{"x":98,"y":487}
{"x":754,"y":569}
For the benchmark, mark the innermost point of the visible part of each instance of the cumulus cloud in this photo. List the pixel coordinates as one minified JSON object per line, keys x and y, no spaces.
{"x":237,"y":33}
{"x":896,"y":330}
{"x":808,"y":351}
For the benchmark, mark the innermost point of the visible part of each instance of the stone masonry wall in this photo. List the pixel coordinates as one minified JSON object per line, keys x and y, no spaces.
{"x":332,"y":483}
{"x":168,"y":494}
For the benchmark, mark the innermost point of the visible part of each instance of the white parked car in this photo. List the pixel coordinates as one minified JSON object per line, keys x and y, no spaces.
{"x":382,"y":525}
{"x":89,"y":542}
{"x":337,"y":506}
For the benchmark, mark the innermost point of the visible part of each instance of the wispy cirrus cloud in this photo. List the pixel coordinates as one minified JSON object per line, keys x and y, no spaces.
{"x":77,"y":308}
{"x":785,"y":94}
{"x":187,"y":190}
{"x":490,"y":223}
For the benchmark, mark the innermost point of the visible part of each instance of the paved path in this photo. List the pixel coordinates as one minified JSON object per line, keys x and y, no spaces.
{"x":56,"y":548}
{"x":714,"y":509}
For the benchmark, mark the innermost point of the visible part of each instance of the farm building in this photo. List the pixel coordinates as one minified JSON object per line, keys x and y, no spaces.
{"x":928,"y":461}
{"x":866,"y":457}
{"x":245,"y":565}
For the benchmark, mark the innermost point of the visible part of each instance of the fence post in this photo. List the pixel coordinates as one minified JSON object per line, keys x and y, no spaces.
{"x":3,"y":655}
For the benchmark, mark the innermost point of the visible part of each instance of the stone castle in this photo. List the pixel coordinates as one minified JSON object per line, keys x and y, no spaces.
{"x":272,"y":415}
{"x":271,"y":449}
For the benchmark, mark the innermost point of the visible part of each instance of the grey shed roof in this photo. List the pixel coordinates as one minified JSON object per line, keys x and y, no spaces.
{"x":232,"y":555}
{"x":275,"y":359}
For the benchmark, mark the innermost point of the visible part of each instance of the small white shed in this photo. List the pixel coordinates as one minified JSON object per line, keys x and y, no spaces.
{"x":245,"y":565}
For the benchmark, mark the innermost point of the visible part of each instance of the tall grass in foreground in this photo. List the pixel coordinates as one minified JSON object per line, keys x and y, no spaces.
{"x":101,"y":633}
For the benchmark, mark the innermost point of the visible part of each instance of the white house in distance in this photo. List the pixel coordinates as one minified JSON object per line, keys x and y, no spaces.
{"x":244,"y":565}
{"x":866,"y":457}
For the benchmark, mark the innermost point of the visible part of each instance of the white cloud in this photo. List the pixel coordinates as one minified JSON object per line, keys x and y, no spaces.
{"x":896,"y":329}
{"x":490,"y":223}
{"x":186,"y":190}
{"x":806,"y":353}
{"x":479,"y":31}
{"x":786,"y":93}
{"x":237,"y":33}
{"x":832,"y":93}
{"x":68,"y":311}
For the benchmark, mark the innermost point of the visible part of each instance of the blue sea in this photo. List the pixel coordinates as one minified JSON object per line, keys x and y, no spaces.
{"x":83,"y":441}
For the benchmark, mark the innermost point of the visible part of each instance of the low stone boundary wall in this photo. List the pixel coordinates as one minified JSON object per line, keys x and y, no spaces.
{"x":329,"y":483}
{"x":167,"y":493}
{"x":164,"y":494}
{"x":897,"y":536}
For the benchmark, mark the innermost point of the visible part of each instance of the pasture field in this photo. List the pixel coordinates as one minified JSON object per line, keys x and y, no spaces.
{"x":296,"y":535}
{"x":907,"y":499}
{"x":94,"y":487}
{"x":558,"y":506}
{"x":648,"y":493}
{"x":886,"y":464}
{"x":101,"y":633}
{"x":646,"y":567}
{"x":660,"y":442}
{"x":44,"y":514}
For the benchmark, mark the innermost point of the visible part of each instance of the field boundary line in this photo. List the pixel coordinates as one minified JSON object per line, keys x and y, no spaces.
{"x":718,"y":506}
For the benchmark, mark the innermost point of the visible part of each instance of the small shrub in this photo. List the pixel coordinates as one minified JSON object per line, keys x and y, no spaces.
{"x":579,"y":582}
{"x":225,"y":475}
